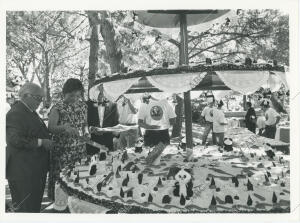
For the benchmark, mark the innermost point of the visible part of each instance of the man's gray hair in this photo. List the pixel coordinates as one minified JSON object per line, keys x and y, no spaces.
{"x":30,"y":88}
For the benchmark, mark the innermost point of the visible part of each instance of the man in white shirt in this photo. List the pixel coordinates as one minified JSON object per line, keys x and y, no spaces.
{"x":219,"y":123}
{"x":207,"y":115}
{"x":156,"y":118}
{"x":127,"y":116}
{"x":127,"y":112}
{"x":272,"y":119}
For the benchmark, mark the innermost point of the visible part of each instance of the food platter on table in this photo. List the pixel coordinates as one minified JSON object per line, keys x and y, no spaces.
{"x":118,"y":128}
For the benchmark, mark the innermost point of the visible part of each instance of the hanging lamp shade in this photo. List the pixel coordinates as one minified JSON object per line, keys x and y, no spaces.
{"x":170,"y":18}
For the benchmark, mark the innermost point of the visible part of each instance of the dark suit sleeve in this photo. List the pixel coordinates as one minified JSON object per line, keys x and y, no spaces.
{"x":17,"y":134}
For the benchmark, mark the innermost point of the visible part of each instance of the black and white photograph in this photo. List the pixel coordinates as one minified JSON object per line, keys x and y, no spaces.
{"x":154,"y":111}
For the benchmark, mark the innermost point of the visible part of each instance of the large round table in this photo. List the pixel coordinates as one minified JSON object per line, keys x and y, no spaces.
{"x":214,"y":174}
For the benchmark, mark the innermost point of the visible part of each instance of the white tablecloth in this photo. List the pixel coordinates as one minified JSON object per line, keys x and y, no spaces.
{"x":283,"y":134}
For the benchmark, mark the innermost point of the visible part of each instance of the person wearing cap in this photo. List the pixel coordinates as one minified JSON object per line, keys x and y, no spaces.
{"x":127,"y":116}
{"x":250,"y":117}
{"x":219,"y":123}
{"x":272,"y":119}
{"x":207,"y":115}
{"x":101,"y":113}
{"x":67,"y":121}
{"x":27,"y":152}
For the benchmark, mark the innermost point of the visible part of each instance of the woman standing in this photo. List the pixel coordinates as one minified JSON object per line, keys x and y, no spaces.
{"x":67,"y":120}
{"x":250,"y":118}
{"x":219,"y":123}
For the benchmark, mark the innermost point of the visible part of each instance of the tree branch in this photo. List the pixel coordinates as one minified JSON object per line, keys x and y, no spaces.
{"x":213,"y":46}
{"x":227,"y":53}
{"x":75,"y":54}
{"x":53,"y":22}
{"x":173,"y":41}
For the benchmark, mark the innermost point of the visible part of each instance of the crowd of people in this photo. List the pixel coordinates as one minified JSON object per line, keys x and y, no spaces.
{"x":35,"y":150}
{"x":215,"y":121}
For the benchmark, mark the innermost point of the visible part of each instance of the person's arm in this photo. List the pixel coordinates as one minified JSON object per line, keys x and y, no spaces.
{"x":222,"y":120}
{"x":171,"y":114}
{"x":53,"y":122}
{"x":16,"y":133}
{"x":131,"y":107}
{"x":254,"y":113}
{"x":277,"y":118}
{"x":203,"y":112}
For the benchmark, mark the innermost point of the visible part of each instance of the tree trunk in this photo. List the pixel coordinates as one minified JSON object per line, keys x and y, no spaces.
{"x":113,"y":54}
{"x":94,"y":48}
{"x":46,"y":80}
{"x":81,"y":77}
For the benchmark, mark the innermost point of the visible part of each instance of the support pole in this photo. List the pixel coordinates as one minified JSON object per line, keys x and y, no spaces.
{"x":187,"y":95}
{"x":244,"y":102}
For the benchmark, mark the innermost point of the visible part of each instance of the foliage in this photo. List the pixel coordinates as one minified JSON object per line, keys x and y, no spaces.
{"x":46,"y":45}
{"x":54,"y":45}
{"x":259,"y":34}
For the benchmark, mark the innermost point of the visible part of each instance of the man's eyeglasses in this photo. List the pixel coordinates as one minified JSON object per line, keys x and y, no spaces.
{"x":36,"y":97}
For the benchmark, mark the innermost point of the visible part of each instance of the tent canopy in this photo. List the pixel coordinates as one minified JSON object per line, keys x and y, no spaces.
{"x":170,"y":18}
{"x":240,"y":78}
{"x":210,"y":82}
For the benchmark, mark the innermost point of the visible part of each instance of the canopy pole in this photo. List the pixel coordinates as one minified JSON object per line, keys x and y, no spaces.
{"x":187,"y":95}
{"x":244,"y":102}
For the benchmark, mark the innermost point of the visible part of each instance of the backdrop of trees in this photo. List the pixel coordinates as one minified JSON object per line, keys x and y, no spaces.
{"x":51,"y":46}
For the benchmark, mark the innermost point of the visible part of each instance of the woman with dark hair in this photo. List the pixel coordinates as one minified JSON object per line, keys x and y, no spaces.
{"x":219,"y":123}
{"x":250,"y":118}
{"x":67,"y":121}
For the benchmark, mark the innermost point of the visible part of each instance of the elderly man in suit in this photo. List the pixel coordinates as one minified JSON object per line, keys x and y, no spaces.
{"x":102,"y":113}
{"x":27,"y":152}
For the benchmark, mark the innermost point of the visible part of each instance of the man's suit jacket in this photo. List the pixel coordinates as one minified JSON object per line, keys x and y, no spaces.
{"x":24,"y":159}
{"x":249,"y":123}
{"x":111,"y":118}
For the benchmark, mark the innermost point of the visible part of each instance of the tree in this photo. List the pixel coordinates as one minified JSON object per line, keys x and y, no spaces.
{"x":123,"y":46}
{"x":113,"y":53}
{"x":43,"y":42}
{"x":94,"y":46}
{"x":254,"y":33}
{"x":260,"y":34}
{"x":50,"y":46}
{"x":126,"y":45}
